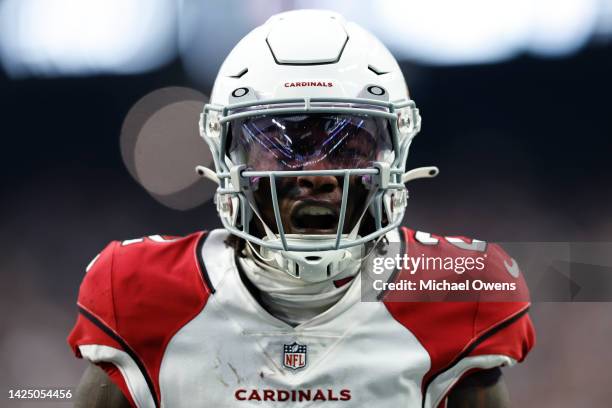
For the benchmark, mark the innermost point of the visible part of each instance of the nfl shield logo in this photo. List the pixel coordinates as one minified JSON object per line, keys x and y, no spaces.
{"x":294,"y":355}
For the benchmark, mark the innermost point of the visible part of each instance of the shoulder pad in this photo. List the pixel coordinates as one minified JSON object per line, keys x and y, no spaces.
{"x":455,"y":325}
{"x":129,"y":297}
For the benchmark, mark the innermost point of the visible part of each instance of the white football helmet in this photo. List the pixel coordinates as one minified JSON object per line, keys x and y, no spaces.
{"x":297,"y":66}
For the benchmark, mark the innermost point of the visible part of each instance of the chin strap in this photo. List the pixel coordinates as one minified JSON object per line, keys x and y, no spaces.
{"x":257,"y":257}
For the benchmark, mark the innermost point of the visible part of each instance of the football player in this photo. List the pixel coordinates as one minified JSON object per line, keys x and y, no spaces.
{"x":309,"y":123}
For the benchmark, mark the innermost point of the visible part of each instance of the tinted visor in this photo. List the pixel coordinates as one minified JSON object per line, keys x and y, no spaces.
{"x":309,"y":142}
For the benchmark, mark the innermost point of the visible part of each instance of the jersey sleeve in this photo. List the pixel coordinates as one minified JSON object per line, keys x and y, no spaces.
{"x":469,"y":330}
{"x":94,"y":336}
{"x":135,"y":296}
{"x":503,"y":327}
{"x":95,"y":303}
{"x":502,"y":332}
{"x":502,"y":345}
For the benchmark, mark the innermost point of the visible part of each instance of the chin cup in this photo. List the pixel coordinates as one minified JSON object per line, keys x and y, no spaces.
{"x":314,"y":266}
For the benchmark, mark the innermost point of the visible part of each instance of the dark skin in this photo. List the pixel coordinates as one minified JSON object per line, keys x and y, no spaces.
{"x":483,"y":389}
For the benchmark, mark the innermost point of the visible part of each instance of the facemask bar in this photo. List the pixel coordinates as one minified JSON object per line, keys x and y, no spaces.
{"x":234,"y":181}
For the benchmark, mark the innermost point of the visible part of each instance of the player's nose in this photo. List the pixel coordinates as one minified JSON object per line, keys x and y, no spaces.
{"x":318,"y":184}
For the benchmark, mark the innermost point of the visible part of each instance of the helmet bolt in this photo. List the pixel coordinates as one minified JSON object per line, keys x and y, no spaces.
{"x":213,"y":126}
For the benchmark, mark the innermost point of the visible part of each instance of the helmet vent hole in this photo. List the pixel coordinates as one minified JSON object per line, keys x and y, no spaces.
{"x":297,"y":270}
{"x":328,"y":270}
{"x":240,"y":74}
{"x":313,"y":258}
{"x":376,"y":71}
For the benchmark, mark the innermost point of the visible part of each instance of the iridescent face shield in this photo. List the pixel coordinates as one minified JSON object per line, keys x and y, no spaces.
{"x":268,"y":145}
{"x":309,"y":142}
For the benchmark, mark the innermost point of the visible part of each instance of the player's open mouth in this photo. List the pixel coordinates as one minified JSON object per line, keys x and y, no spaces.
{"x":314,"y":217}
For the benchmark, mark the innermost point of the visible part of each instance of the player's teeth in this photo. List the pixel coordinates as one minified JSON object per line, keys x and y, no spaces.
{"x":315,"y":210}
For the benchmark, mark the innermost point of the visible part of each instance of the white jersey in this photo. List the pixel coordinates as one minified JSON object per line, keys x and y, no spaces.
{"x":173,"y":324}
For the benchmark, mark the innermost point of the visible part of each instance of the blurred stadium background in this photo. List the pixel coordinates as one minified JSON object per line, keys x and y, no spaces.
{"x":515,"y":98}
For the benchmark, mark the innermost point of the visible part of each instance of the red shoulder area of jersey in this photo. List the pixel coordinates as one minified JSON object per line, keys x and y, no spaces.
{"x":453,"y":329}
{"x":137,"y":294}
